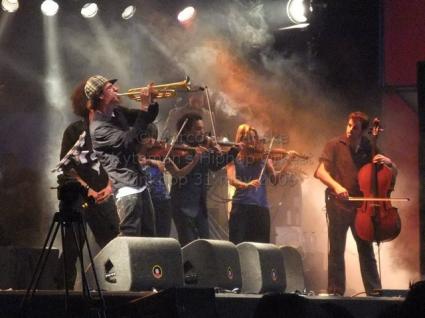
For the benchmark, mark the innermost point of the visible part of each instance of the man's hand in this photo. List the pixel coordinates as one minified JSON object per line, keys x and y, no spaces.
{"x":341,"y":192}
{"x":199,"y":151}
{"x":146,"y":97}
{"x":104,"y":194}
{"x":92,"y":193}
{"x":381,"y":159}
{"x":212,"y":144}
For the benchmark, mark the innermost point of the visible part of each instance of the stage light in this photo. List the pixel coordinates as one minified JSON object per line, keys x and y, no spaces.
{"x":89,"y":10}
{"x":10,"y":5}
{"x":186,"y":15}
{"x":49,"y":8}
{"x":297,"y":11}
{"x":128,"y":12}
{"x":286,"y":14}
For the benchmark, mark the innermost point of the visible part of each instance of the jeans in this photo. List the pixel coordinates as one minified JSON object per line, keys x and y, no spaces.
{"x":340,"y":220}
{"x":190,"y":228}
{"x":136,"y":216}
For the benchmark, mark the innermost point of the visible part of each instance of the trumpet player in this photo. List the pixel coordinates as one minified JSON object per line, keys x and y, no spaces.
{"x":115,"y":132}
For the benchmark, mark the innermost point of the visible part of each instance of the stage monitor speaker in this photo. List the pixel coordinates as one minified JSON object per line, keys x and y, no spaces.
{"x":137,"y":264}
{"x":262,"y":268}
{"x":212,"y":263}
{"x":17,"y":266}
{"x":294,"y":271}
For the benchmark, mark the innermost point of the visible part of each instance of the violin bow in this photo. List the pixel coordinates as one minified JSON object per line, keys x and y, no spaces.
{"x":369,"y":199}
{"x":207,"y":94}
{"x":175,"y":140}
{"x":267,"y":158}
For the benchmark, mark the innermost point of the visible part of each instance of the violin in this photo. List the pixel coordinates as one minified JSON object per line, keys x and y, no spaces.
{"x":160,"y":149}
{"x":280,"y":153}
{"x":211,"y":144}
{"x":376,"y":220}
{"x":259,"y":152}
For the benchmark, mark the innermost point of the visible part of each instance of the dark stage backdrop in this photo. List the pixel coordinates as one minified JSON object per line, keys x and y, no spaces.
{"x":403,"y":47}
{"x":404,"y":43}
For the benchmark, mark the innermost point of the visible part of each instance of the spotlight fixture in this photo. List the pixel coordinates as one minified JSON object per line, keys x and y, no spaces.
{"x":285,"y":14}
{"x":186,"y":15}
{"x":128,"y":12}
{"x":10,"y":5}
{"x":49,"y":8}
{"x":297,"y":11}
{"x":89,"y":10}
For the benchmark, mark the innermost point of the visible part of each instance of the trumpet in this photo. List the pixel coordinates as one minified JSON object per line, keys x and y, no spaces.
{"x":162,"y":90}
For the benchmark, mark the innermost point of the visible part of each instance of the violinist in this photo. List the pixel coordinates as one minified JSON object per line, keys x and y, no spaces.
{"x":154,"y":170}
{"x":338,"y":167}
{"x":196,"y":104}
{"x":249,"y":216}
{"x":189,"y":192}
{"x":150,"y":158}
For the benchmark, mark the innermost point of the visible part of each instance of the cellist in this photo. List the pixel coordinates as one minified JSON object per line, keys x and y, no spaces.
{"x":339,"y":164}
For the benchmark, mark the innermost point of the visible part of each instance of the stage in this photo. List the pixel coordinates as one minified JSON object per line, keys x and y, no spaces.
{"x":194,"y":302}
{"x":249,"y":63}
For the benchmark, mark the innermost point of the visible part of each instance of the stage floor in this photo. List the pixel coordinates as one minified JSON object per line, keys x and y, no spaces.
{"x":182,"y":302}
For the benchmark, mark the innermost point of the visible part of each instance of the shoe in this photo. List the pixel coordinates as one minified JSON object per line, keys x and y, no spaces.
{"x":335,"y":292}
{"x":374,"y":293}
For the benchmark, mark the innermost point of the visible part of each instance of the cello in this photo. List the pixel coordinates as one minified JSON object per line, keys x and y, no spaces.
{"x":376,"y":220}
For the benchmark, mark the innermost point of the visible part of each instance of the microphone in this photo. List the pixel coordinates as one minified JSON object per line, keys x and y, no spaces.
{"x":197,"y":88}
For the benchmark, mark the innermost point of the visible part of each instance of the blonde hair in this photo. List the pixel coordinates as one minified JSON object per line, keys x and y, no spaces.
{"x":244,"y":130}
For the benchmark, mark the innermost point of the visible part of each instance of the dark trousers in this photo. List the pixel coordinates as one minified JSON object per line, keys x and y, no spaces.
{"x":162,"y":217}
{"x":249,"y":223}
{"x":190,"y":228}
{"x":136,"y":215}
{"x":103,"y":222}
{"x":339,"y":220}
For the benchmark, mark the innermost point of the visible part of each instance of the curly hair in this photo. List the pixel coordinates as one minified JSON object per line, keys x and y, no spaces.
{"x":79,"y":100}
{"x":191,"y":119}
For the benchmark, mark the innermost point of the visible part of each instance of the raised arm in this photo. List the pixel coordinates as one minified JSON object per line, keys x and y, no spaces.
{"x":274,"y":174}
{"x":105,"y":135}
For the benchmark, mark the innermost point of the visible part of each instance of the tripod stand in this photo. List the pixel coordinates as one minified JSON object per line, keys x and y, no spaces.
{"x":67,"y":219}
